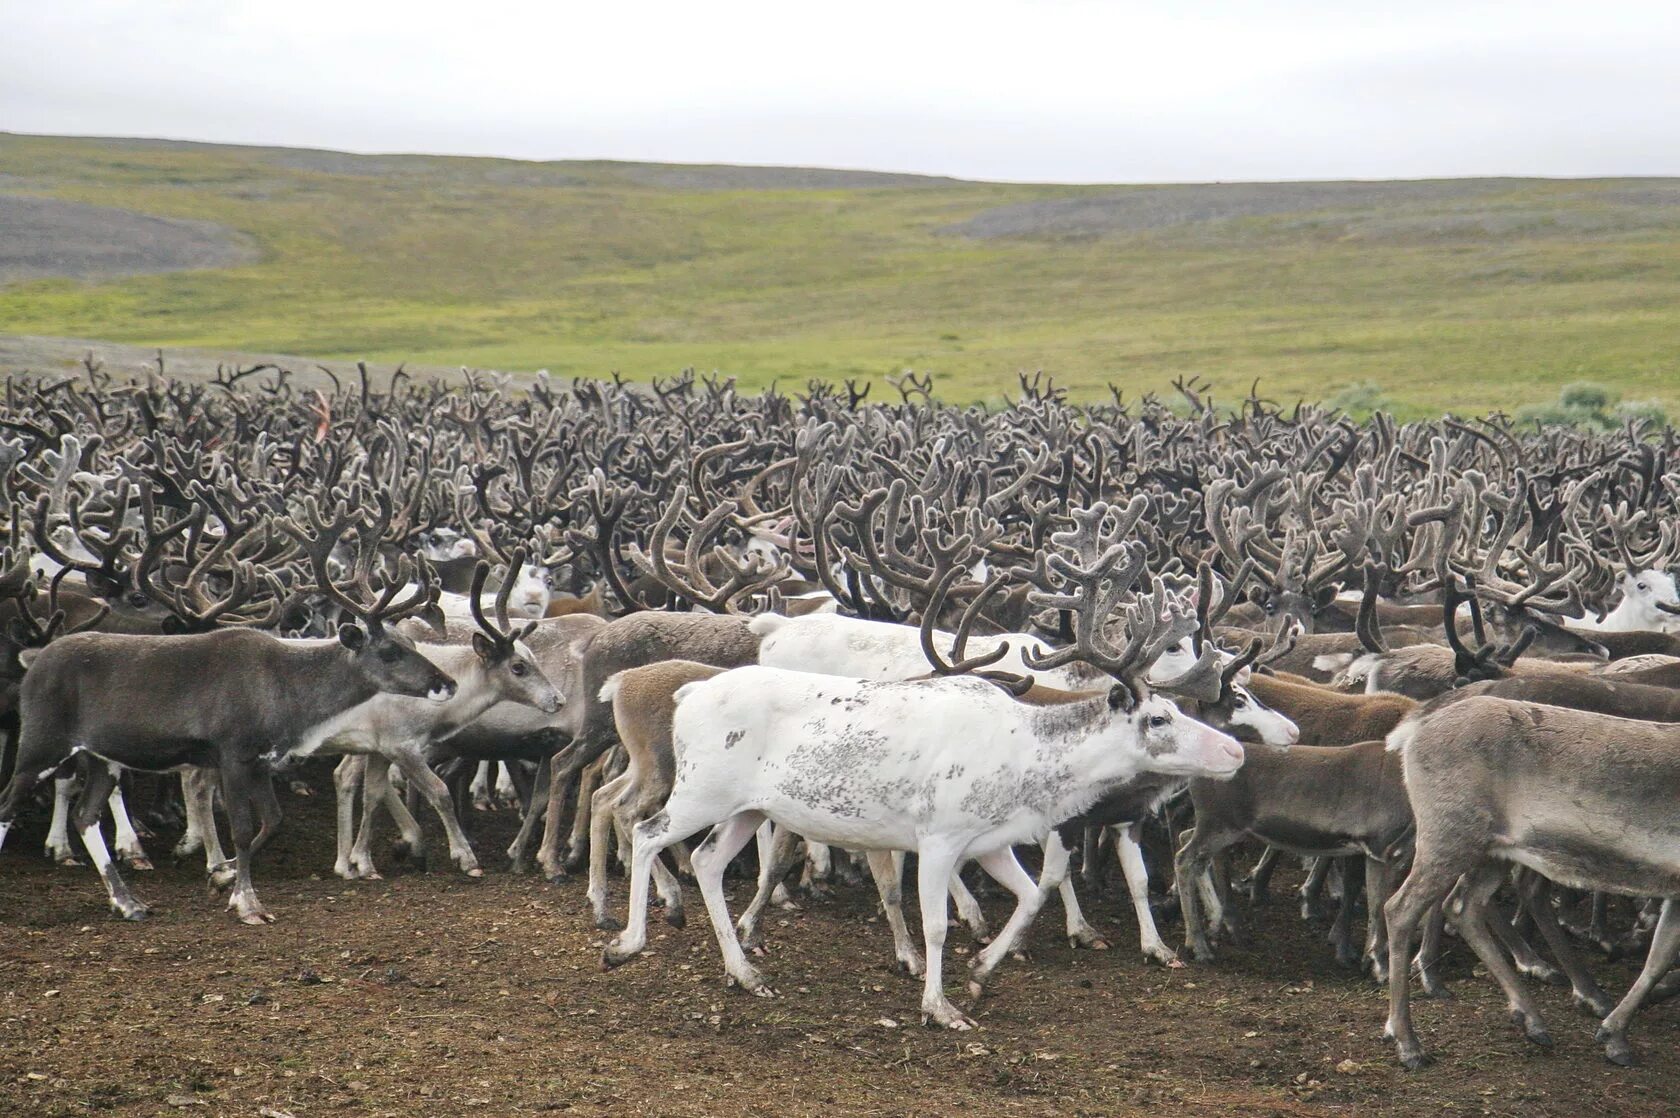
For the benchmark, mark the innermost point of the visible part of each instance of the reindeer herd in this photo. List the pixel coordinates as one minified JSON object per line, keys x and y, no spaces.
{"x":1440,"y":661}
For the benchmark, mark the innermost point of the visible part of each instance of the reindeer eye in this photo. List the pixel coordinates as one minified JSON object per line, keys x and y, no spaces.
{"x":1238,"y":701}
{"x":1640,"y":586}
{"x":1156,"y":721}
{"x":1271,"y":607}
{"x":389,"y":653}
{"x":517,"y":667}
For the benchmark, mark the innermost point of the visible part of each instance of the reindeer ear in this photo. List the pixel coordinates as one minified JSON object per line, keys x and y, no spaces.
{"x":351,"y":637}
{"x":1120,"y":698}
{"x":484,"y":646}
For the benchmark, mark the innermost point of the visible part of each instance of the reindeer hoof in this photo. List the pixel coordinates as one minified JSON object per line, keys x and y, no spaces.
{"x":1416,"y":1061}
{"x":1616,"y":1049}
{"x":605,"y":923}
{"x":132,"y":910}
{"x":473,"y":871}
{"x":676,"y":918}
{"x":614,"y":956}
{"x":1598,"y":1007}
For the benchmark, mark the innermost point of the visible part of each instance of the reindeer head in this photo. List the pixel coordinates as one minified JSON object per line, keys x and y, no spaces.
{"x":502,"y":651}
{"x":387,"y":659}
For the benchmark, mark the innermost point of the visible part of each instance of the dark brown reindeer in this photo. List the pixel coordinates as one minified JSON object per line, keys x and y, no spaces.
{"x":230,"y":699}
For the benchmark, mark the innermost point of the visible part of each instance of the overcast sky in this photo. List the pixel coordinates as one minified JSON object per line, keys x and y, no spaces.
{"x":1038,"y":90}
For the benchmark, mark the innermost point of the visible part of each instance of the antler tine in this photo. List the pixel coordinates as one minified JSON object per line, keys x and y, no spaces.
{"x":1090,"y":606}
{"x":317,"y":541}
{"x":418,"y":571}
{"x":1366,"y":626}
{"x":515,"y":563}
{"x":1203,"y":680}
{"x":15,"y":568}
{"x":1232,"y":670}
{"x":1284,"y":643}
{"x":957,"y":664}
{"x":497,"y":633}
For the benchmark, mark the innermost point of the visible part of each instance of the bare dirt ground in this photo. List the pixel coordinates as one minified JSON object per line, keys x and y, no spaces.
{"x":43,"y":238}
{"x":429,"y":993}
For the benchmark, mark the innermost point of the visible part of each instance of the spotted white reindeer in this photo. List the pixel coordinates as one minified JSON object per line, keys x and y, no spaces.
{"x":950,"y":768}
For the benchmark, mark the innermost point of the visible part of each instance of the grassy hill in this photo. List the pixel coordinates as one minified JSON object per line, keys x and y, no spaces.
{"x":1470,"y":294}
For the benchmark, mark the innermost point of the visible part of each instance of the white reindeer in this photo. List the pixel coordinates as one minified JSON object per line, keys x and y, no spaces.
{"x":950,"y":768}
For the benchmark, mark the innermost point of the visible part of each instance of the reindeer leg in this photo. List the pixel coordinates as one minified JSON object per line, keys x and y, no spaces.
{"x":1136,"y":872}
{"x":588,"y":781}
{"x":1665,"y":944}
{"x":90,"y":807}
{"x":480,"y":788}
{"x":1587,"y":994}
{"x":376,"y":792}
{"x":1079,"y":930}
{"x":347,"y":777}
{"x":603,"y":811}
{"x":968,"y":908}
{"x":129,"y":850}
{"x":431,"y":786}
{"x":535,"y":810}
{"x":58,"y":832}
{"x":889,"y":884}
{"x":774,"y":865}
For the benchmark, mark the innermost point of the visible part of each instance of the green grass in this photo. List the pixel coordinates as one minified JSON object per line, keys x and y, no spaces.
{"x":575,"y":268}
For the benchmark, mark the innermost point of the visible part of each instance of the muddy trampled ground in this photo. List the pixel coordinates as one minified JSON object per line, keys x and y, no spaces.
{"x":429,"y":993}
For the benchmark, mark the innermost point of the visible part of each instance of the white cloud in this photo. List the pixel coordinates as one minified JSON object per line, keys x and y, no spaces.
{"x":1045,"y":90}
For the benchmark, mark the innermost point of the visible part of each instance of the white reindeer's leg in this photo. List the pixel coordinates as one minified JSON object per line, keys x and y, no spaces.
{"x":651,"y":835}
{"x":968,"y":908}
{"x":347,"y":777}
{"x":481,"y":788}
{"x":888,"y":872}
{"x":58,"y":833}
{"x":507,"y":793}
{"x":129,"y":849}
{"x":1029,"y":898}
{"x":934,"y":867}
{"x":376,"y":791}
{"x":665,"y":883}
{"x":436,"y":792}
{"x":710,"y":859}
{"x":1132,"y":868}
{"x":602,"y":810}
